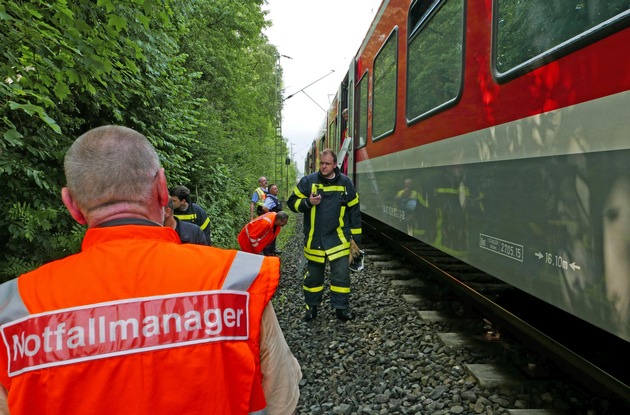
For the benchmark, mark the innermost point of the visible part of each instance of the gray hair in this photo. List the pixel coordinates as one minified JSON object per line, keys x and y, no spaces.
{"x":110,"y":164}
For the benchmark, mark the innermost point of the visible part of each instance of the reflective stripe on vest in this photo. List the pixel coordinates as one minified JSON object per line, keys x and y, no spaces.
{"x":243,"y":271}
{"x":255,"y":241}
{"x":11,"y":305}
{"x":261,"y":196}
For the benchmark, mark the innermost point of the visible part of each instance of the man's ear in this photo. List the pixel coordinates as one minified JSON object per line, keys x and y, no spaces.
{"x":72,"y":206}
{"x":162,"y":188}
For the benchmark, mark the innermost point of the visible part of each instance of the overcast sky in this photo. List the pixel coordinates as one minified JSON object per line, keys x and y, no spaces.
{"x":319,"y":37}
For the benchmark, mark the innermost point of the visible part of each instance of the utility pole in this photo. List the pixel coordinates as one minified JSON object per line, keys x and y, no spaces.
{"x":279,"y":147}
{"x":288,"y":163}
{"x":278,"y":138}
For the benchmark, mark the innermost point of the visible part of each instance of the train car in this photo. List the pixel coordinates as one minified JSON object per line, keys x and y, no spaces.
{"x":311,"y":161}
{"x":499,"y":132}
{"x":333,"y":130}
{"x":333,"y":120}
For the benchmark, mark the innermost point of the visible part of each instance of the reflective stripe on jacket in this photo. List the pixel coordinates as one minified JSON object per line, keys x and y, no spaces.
{"x":135,"y":324}
{"x":259,"y":233}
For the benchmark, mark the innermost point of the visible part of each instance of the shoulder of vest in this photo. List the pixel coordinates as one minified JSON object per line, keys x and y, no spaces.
{"x":11,"y":305}
{"x":243,"y":271}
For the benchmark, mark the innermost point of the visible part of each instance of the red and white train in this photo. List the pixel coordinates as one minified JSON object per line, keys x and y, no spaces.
{"x":499,"y":132}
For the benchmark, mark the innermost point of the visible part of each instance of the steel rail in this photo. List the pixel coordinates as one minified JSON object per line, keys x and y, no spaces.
{"x":571,"y":363}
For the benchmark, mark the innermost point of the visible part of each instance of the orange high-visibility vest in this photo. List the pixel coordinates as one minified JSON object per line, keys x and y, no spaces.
{"x":259,"y":233}
{"x":137,"y":324}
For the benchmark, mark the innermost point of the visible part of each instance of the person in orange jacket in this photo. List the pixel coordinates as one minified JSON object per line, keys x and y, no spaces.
{"x":137,"y":323}
{"x":262,"y":231}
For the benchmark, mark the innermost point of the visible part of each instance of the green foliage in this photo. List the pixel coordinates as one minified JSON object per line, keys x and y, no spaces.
{"x":435,"y":60}
{"x":528,"y":29}
{"x":226,"y":208}
{"x":384,"y":95}
{"x":28,"y":227}
{"x":195,"y":76}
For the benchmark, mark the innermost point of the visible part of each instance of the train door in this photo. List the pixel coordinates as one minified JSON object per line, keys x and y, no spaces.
{"x":346,"y":98}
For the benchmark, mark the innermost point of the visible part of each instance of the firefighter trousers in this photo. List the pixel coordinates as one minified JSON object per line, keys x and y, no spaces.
{"x":339,"y":283}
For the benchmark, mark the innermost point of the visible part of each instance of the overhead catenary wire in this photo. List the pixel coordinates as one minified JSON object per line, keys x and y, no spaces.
{"x":312,"y":83}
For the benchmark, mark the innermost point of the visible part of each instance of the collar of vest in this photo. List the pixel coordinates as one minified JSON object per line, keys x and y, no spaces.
{"x":127,"y":221}
{"x":122,"y":232}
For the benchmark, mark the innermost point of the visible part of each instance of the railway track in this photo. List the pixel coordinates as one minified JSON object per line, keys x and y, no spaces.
{"x":574,"y":347}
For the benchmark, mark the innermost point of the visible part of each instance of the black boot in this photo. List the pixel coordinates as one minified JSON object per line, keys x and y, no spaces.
{"x":344,"y":314}
{"x":311,"y":313}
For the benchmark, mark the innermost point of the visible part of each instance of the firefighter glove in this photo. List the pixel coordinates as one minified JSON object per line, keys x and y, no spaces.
{"x":355,"y":252}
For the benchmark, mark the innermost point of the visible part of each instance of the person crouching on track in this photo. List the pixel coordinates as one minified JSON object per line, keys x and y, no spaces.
{"x":262,"y":231}
{"x":138,"y":323}
{"x":332,"y":224}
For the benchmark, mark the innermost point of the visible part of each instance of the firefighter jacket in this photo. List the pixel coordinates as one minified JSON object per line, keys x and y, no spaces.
{"x":329,"y":226}
{"x":195,"y":214}
{"x":259,"y":233}
{"x":137,"y":323}
{"x":189,"y":233}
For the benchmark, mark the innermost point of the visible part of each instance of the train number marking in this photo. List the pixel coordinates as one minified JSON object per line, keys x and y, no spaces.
{"x":506,"y":248}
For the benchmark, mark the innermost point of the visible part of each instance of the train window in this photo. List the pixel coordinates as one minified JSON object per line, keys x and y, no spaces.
{"x":333,"y":142}
{"x":530,"y":33}
{"x":384,"y":88}
{"x":321,"y":145}
{"x":361,"y":102}
{"x":434,"y":56}
{"x":418,"y":13}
